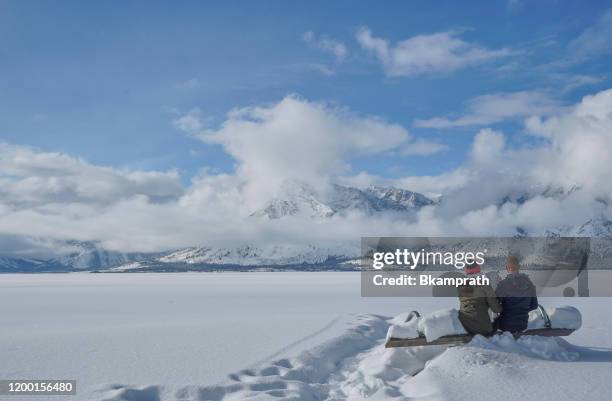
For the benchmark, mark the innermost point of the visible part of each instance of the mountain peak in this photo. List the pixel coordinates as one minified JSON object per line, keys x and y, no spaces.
{"x":402,"y":198}
{"x":300,"y":199}
{"x":295,"y":198}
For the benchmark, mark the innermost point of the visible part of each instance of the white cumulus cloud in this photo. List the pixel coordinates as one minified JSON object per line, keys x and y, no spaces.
{"x":38,"y":178}
{"x":296,"y":139}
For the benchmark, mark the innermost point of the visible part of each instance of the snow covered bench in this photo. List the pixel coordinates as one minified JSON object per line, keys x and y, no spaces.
{"x":444,"y":328}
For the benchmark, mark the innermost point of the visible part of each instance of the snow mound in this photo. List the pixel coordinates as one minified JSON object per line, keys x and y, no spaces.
{"x":563,"y":317}
{"x":401,"y":318}
{"x":378,"y":373}
{"x":503,"y":369}
{"x":441,"y":323}
{"x":404,"y":330}
{"x":433,"y":326}
{"x":404,"y":325}
{"x":549,"y":348}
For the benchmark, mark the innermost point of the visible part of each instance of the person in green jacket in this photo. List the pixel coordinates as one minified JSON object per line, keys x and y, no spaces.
{"x":475,"y":302}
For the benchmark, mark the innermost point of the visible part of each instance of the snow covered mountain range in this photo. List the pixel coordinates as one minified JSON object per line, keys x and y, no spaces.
{"x":293,"y":200}
{"x":85,"y":256}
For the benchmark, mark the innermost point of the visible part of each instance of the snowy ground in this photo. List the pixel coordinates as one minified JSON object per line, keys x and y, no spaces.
{"x":304,"y":336}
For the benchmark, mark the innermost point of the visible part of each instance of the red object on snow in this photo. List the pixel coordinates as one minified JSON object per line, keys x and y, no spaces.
{"x":475,"y":269}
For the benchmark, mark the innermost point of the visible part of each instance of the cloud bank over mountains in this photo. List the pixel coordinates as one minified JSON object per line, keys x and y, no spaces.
{"x":559,"y":179}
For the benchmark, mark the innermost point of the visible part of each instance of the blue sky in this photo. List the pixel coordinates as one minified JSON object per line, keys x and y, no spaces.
{"x":148,"y":126}
{"x":105,"y":80}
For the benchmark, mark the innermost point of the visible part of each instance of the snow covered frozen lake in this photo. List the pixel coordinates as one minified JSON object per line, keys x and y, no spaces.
{"x":269,"y":335}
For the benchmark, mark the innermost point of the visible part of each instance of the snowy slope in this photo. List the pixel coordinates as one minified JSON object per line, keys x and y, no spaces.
{"x":257,"y":256}
{"x":295,"y":198}
{"x":8,"y":264}
{"x":398,"y":199}
{"x":301,"y":199}
{"x":598,"y":226}
{"x":89,"y":256}
{"x":83,"y":256}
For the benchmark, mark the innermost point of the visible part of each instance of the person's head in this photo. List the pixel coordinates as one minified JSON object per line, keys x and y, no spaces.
{"x":472,"y":268}
{"x":512,"y":264}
